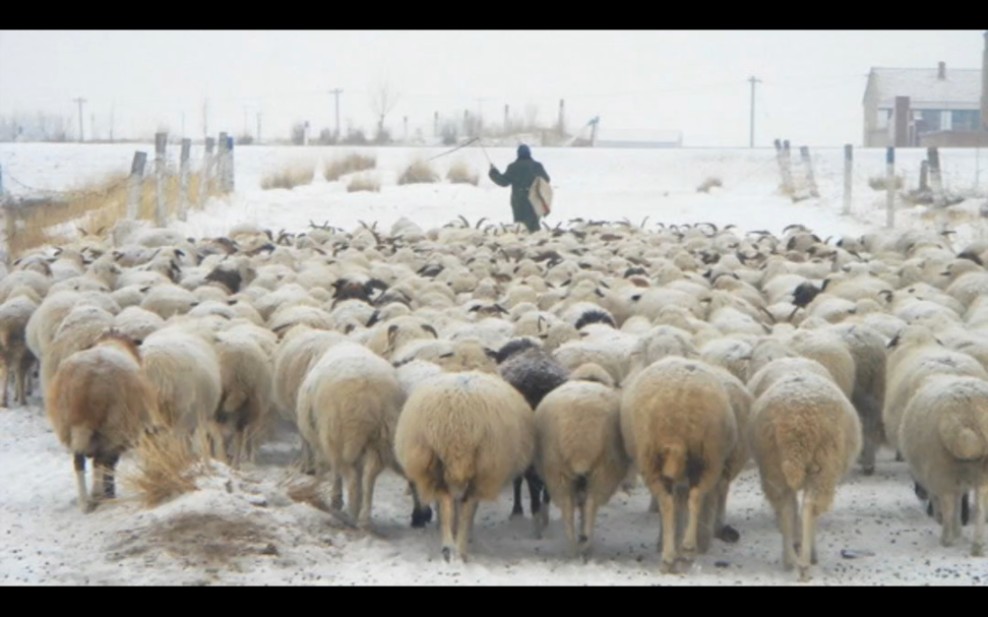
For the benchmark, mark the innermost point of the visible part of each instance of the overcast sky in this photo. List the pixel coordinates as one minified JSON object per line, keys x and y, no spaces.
{"x":692,"y":81}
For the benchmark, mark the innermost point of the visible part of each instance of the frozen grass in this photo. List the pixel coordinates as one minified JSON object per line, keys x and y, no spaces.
{"x":363,"y":182}
{"x":418,"y":172}
{"x":460,"y":173}
{"x":289,"y":177}
{"x":348,"y":165}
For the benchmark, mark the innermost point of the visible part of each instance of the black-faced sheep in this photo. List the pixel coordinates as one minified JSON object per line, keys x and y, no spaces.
{"x":98,"y":402}
{"x":461,"y":438}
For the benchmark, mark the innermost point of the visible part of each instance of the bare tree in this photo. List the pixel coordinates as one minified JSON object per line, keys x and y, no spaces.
{"x":383,"y":101}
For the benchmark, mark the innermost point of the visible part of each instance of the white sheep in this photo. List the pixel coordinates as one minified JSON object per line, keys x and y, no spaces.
{"x":17,"y":359}
{"x":461,"y":438}
{"x":944,"y":438}
{"x":804,"y":435}
{"x":579,"y":451}
{"x":348,"y":406}
{"x":680,"y":429}
{"x":243,"y":412}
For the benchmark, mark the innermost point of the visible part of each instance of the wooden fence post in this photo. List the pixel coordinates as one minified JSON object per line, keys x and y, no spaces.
{"x":229,"y":165}
{"x":782,"y":154}
{"x":221,"y":148}
{"x":183,"y":180}
{"x":206,"y":175}
{"x":134,"y":184}
{"x":10,"y":227}
{"x":924,"y":174}
{"x":848,"y":176}
{"x":160,"y":142}
{"x":936,"y":180}
{"x":804,"y":153}
{"x":890,"y":187}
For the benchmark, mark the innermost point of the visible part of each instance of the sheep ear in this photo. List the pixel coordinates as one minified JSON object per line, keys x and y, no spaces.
{"x":492,"y":354}
{"x":636,"y":297}
{"x":392,"y":333}
{"x":426,"y":327}
{"x":893,"y":343}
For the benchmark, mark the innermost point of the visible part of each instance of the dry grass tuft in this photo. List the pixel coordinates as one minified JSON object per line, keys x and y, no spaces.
{"x":348,"y":165}
{"x":459,"y":173}
{"x":880,"y":183}
{"x":363,"y":182}
{"x":709,"y":183}
{"x":418,"y":172}
{"x":166,"y":467}
{"x":93,"y":209}
{"x":288,"y":178}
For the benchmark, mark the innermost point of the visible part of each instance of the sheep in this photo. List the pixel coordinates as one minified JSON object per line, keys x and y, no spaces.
{"x":98,"y":402}
{"x":680,"y":429}
{"x":579,"y":451}
{"x":534,"y":373}
{"x":80,"y":329}
{"x":914,"y":355}
{"x":804,"y":435}
{"x":17,"y":359}
{"x":184,"y":371}
{"x":242,"y":414}
{"x":944,"y":439}
{"x":348,"y":406}
{"x":460,"y":438}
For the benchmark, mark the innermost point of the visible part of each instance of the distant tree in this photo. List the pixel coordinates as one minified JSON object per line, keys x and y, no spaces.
{"x":383,"y":101}
{"x":355,"y":137}
{"x":326,"y":137}
{"x":298,"y":133}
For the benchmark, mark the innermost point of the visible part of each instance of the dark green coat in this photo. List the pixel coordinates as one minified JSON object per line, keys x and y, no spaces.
{"x":520,"y":175}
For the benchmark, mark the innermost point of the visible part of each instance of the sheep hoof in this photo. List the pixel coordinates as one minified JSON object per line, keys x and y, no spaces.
{"x":337,"y":503}
{"x":447,"y":553}
{"x":667,"y":567}
{"x":728,"y":534}
{"x":977,"y":550}
{"x":421,"y":518}
{"x":804,"y":574}
{"x":868,"y":470}
{"x":88,"y":506}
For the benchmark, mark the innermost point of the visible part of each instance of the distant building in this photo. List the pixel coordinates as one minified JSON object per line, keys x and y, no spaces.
{"x":927,"y":107}
{"x":636,"y":138}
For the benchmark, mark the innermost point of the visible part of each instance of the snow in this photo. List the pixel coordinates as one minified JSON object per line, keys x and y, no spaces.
{"x":242,"y":527}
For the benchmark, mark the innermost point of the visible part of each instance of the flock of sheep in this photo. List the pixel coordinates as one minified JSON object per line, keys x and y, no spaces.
{"x":574,"y":359}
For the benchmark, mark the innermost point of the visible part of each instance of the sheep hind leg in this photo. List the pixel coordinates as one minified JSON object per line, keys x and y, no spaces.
{"x":464,"y":525}
{"x":950,"y":518}
{"x":535,"y":486}
{"x":352,"y":475}
{"x":980,"y":507}
{"x":588,"y":519}
{"x":447,"y":523}
{"x":667,"y":532}
{"x":807,"y":548}
{"x":785,"y":512}
{"x":516,"y":509}
{"x":372,"y":467}
{"x":694,"y":504}
{"x":85,"y":503}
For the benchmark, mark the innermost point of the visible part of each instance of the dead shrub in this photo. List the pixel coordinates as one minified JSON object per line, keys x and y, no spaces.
{"x":880,"y":183}
{"x":363,"y":182}
{"x":418,"y":172}
{"x":348,"y":165}
{"x":709,"y":183}
{"x":167,"y":467}
{"x":288,"y":178}
{"x":459,"y":173}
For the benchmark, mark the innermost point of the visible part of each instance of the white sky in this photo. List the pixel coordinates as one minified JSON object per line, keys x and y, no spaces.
{"x":696,"y":82}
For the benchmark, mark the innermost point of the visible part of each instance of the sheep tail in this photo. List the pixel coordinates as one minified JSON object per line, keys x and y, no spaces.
{"x":80,"y":439}
{"x":962,"y":440}
{"x":670,"y":463}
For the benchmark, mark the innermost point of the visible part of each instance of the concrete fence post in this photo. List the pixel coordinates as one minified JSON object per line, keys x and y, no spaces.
{"x":183,"y":180}
{"x":924,"y":174}
{"x":229,"y":165}
{"x":160,"y":143}
{"x":134,"y":184}
{"x":804,"y":153}
{"x":890,"y":187}
{"x":848,"y":176}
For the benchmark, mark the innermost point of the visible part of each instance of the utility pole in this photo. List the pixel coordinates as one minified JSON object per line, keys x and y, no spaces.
{"x":337,"y":92}
{"x":80,"y":101}
{"x":751,"y":139}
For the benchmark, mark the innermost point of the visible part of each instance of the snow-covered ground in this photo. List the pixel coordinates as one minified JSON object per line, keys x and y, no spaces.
{"x":241,"y":527}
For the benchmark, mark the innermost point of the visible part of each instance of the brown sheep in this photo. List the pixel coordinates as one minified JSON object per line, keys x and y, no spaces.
{"x":98,"y":402}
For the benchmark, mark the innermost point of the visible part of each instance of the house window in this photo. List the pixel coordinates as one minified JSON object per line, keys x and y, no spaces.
{"x":928,"y":121}
{"x":965,"y":119}
{"x":884,"y":115}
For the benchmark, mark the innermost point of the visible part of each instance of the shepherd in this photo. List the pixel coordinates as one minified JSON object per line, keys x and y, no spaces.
{"x":525,"y":176}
